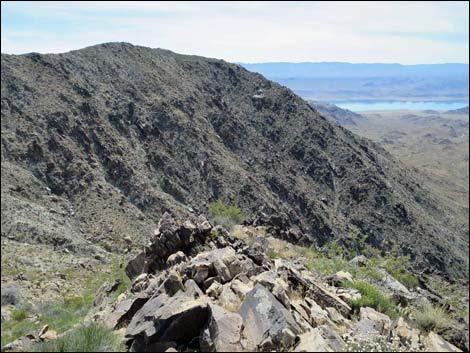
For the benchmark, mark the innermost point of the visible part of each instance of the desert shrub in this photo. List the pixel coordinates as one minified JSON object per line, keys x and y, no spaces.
{"x":272,"y":254}
{"x":92,"y":338}
{"x":431,"y":318}
{"x":10,"y":295}
{"x":225,"y":215}
{"x":407,"y":279}
{"x":398,"y":268}
{"x":19,"y":314}
{"x":371,"y":297}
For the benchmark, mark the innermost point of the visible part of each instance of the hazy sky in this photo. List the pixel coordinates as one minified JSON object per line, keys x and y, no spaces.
{"x":401,"y":32}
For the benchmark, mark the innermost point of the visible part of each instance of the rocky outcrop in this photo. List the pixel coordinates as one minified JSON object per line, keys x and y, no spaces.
{"x":217,"y":297}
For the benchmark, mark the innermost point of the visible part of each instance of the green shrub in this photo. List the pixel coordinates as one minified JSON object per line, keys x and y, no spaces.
{"x":398,"y":268}
{"x":431,"y":318}
{"x":272,"y":254}
{"x":225,"y":215}
{"x":371,"y":297}
{"x":19,"y":314}
{"x":92,"y":338}
{"x":407,"y":279}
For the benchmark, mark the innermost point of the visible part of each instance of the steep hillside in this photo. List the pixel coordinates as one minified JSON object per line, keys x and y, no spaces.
{"x":334,"y":113}
{"x":98,"y":143}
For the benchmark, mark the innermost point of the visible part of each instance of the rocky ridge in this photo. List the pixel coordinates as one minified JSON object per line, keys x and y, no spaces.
{"x":216,"y":293}
{"x":97,"y":144}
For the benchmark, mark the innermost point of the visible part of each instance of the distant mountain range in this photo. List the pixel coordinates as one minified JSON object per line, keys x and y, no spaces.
{"x":335,"y":81}
{"x":463,"y":110}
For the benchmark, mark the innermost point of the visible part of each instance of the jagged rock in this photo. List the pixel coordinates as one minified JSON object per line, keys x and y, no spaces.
{"x":336,"y":317}
{"x":192,"y":289}
{"x":319,"y":293}
{"x":141,"y":282}
{"x":359,"y":261}
{"x":320,"y":339}
{"x":317,"y":314}
{"x":170,"y":237}
{"x":105,"y":291}
{"x":268,"y":324}
{"x":176,"y":258}
{"x":392,"y":284}
{"x":406,"y":335}
{"x":172,"y":284}
{"x":281,"y":292}
{"x":124,"y":311}
{"x":167,"y":319}
{"x":347,"y":294}
{"x":372,"y":323}
{"x":340,"y":277}
{"x":240,"y":289}
{"x":266,"y":279}
{"x":214,"y":290}
{"x":45,"y":334}
{"x":435,"y":343}
{"x":228,"y":299}
{"x":223,"y":331}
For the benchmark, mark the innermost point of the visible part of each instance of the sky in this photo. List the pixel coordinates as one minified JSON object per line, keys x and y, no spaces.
{"x":248,"y":32}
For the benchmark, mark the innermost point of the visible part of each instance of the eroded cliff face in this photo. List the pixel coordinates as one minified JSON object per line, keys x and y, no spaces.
{"x":98,"y":143}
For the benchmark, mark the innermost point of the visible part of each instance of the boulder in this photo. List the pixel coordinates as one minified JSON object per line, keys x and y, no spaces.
{"x":176,"y":258}
{"x":267,"y":279}
{"x":124,"y":311}
{"x":223,"y":331}
{"x":281,"y":292}
{"x":435,"y":343}
{"x":371,"y":323}
{"x":172,"y":284}
{"x":167,"y":319}
{"x":268,"y":324}
{"x":340,"y":277}
{"x":318,"y":293}
{"x":214,"y":290}
{"x":406,"y":335}
{"x":336,"y":317}
{"x":140,"y":283}
{"x":240,"y":289}
{"x":318,"y":316}
{"x":359,"y":261}
{"x":228,"y":299}
{"x":192,"y":289}
{"x":320,"y":339}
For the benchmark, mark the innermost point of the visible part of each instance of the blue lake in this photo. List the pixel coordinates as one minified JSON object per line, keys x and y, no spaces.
{"x":358,"y":106}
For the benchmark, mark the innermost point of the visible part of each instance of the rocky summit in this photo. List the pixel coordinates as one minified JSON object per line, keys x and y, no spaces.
{"x":98,"y":143}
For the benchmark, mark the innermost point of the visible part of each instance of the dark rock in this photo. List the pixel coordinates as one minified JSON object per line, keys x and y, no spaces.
{"x":268,"y":324}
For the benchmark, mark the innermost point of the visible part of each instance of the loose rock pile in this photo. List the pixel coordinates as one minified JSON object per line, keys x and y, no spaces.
{"x":198,"y":288}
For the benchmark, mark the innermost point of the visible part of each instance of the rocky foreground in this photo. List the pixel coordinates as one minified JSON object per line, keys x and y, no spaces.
{"x":199,"y":288}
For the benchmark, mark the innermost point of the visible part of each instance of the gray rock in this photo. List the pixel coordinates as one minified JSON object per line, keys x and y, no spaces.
{"x":268,"y":324}
{"x":359,"y":261}
{"x":372,"y":323}
{"x":228,"y":299}
{"x":223,"y":331}
{"x":320,"y":339}
{"x":168,"y":319}
{"x":176,"y":258}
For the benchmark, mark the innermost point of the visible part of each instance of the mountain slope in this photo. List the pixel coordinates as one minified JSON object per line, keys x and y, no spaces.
{"x":343,"y":117}
{"x":119,"y":134}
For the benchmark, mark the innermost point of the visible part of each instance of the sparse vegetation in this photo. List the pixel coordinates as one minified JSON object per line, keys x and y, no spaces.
{"x":63,"y":314}
{"x":372,"y":297}
{"x":431,"y":318}
{"x":19,"y":314}
{"x":225,"y":215}
{"x":92,"y":338}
